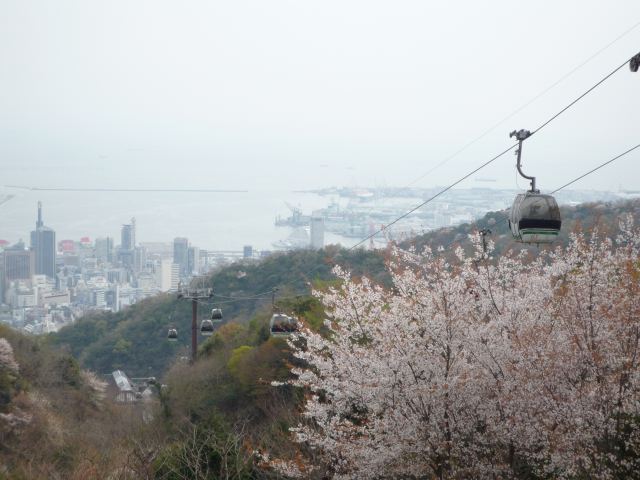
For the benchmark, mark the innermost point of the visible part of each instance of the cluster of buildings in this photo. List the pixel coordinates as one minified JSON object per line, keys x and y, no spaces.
{"x":49,"y":283}
{"x":359,"y":213}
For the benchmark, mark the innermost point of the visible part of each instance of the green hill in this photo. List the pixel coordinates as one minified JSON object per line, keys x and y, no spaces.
{"x":218,"y":412}
{"x":52,"y":414}
{"x":135,"y":339}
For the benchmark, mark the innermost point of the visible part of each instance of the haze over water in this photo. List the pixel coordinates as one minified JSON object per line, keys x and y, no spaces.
{"x":214,"y":221}
{"x":274,"y":97}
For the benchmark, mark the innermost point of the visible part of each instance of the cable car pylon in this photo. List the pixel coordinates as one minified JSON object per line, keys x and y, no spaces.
{"x":195,"y":295}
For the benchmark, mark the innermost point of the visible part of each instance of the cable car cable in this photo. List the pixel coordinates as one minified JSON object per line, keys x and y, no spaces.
{"x":617,"y":157}
{"x":605,"y":78}
{"x":544,"y":124}
{"x":496,"y":157}
{"x":597,"y":168}
{"x":444,"y":247}
{"x":257,"y":295}
{"x":498,"y":223}
{"x":433,"y":197}
{"x":525,"y":105}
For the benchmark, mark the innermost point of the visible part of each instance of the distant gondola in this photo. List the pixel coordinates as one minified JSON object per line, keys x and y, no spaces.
{"x":534,"y":217}
{"x":282,"y":325}
{"x":216,"y":314}
{"x":206,"y":328}
{"x":172,"y":335}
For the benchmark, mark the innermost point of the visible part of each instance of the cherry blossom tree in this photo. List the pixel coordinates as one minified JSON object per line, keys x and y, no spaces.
{"x":480,"y":367}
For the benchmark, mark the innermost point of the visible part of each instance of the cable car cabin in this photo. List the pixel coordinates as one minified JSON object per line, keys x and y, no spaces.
{"x":282,"y":325}
{"x":216,"y":314}
{"x":172,"y":335}
{"x":206,"y":328}
{"x":534,"y":218}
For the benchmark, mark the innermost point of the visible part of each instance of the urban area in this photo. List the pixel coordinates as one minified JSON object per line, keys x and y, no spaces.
{"x":50,"y":283}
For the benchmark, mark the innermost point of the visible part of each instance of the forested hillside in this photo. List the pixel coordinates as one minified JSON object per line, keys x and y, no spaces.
{"x":479,"y":366}
{"x":514,"y":363}
{"x":135,"y":339}
{"x":54,"y":422}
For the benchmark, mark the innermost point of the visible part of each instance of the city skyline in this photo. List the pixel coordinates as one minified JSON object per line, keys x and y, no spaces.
{"x":212,"y":225}
{"x":50,"y":284}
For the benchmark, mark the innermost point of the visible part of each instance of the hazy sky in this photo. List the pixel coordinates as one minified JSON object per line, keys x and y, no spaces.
{"x":301,"y":94}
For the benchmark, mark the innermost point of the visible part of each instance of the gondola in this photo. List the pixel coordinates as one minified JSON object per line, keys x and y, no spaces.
{"x":282,"y":325}
{"x":534,"y":217}
{"x":172,"y":335}
{"x":206,"y":328}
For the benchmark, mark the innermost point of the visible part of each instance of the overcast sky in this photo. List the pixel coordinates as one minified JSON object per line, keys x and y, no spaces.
{"x":302,"y":94}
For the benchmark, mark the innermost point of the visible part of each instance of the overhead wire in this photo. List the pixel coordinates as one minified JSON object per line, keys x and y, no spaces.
{"x":449,"y":187}
{"x":596,"y":168}
{"x":525,"y":105}
{"x":227,"y":299}
{"x":257,"y":295}
{"x":444,"y":247}
{"x":596,"y":85}
{"x":543,"y":125}
{"x":128,"y":190}
{"x":617,"y":157}
{"x":433,"y":197}
{"x":493,"y":159}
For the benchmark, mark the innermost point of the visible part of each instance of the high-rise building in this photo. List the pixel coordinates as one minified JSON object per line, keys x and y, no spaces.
{"x":175,"y":277}
{"x":116,"y":275}
{"x":140,"y":259}
{"x":193,"y":260}
{"x":204,"y":260}
{"x":100,"y":298}
{"x":181,"y":254}
{"x":127,"y":252}
{"x":247,"y":251}
{"x":128,"y":236}
{"x":104,"y":249}
{"x":164,"y":272}
{"x":167,"y":275}
{"x":317,"y":232}
{"x":18,"y":263}
{"x":43,"y":243}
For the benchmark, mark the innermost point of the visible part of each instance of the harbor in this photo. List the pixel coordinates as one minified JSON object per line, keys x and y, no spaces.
{"x":357,"y":213}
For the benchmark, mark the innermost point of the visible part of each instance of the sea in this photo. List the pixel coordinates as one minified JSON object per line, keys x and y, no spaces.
{"x":212,"y":221}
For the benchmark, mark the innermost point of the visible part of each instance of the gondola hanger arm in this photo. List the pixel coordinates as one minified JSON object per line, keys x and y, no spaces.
{"x":521,"y":135}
